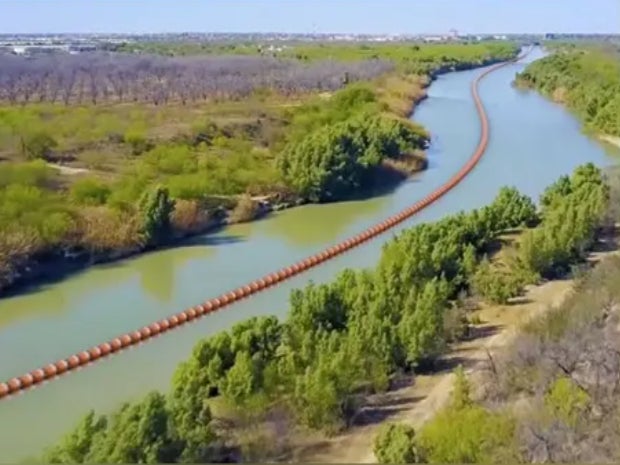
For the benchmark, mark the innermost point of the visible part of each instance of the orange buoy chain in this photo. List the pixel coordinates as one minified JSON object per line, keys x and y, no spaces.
{"x":53,"y":370}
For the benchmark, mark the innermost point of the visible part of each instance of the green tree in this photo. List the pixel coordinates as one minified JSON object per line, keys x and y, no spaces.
{"x":38,"y":145}
{"x":142,"y":432}
{"x":495,"y":284}
{"x":75,"y":447}
{"x":156,"y":208}
{"x":242,"y":380}
{"x":421,"y":327}
{"x":395,"y":443}
{"x":461,"y":394}
{"x":566,"y":401}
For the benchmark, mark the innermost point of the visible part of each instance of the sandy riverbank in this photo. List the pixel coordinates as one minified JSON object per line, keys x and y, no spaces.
{"x":613,"y":140}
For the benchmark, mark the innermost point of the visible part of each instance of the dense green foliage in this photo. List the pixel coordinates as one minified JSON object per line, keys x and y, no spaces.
{"x":587,"y":80}
{"x":344,"y":340}
{"x":339,"y":159}
{"x":395,"y":444}
{"x":156,"y":208}
{"x":333,"y":148}
{"x":573,"y":209}
{"x":143,"y":432}
{"x":563,"y":371}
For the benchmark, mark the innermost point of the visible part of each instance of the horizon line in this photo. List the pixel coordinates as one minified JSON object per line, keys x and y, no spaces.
{"x":610,"y":33}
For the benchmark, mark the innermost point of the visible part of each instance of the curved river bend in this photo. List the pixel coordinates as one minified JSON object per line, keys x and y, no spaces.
{"x":97,"y":352}
{"x":533,"y":141}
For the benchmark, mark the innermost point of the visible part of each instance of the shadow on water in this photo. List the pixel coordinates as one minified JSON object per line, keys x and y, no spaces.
{"x":211,"y":240}
{"x":55,"y":271}
{"x":51,"y":272}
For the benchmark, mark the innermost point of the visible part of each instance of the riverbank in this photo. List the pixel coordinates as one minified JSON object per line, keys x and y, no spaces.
{"x":62,"y":262}
{"x":613,"y":140}
{"x":112,"y":299}
{"x":450,"y":234}
{"x":586,"y":80}
{"x":415,"y":401}
{"x":126,"y":341}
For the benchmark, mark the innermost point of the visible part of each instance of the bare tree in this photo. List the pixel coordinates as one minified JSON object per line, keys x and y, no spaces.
{"x":100,"y":77}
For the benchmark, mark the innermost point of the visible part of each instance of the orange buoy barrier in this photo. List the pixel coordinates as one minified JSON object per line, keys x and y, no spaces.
{"x":98,"y":352}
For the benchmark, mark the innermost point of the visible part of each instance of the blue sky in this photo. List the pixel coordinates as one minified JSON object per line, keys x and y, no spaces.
{"x":346,"y":16}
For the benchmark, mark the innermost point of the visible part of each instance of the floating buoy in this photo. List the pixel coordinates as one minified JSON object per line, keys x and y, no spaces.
{"x":126,"y":340}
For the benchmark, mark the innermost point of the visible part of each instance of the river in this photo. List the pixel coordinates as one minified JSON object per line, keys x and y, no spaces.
{"x":533,"y":141}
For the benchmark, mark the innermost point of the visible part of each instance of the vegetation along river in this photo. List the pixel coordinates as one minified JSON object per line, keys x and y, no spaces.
{"x":533,"y":141}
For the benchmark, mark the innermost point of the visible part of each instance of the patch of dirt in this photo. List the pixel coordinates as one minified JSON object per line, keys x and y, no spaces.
{"x":68,"y":170}
{"x":613,"y":140}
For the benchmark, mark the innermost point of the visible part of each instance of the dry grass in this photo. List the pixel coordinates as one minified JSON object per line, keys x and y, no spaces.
{"x":400,"y":93}
{"x":245,"y":210}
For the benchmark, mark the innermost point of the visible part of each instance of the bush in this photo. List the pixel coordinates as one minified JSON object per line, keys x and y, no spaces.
{"x":395,"y":443}
{"x":89,"y":191}
{"x":566,"y":401}
{"x":189,"y":217}
{"x":106,"y":230}
{"x":138,"y":142}
{"x":338,"y":160}
{"x":38,"y":145}
{"x":245,"y":210}
{"x":464,"y":432}
{"x":496,"y":285}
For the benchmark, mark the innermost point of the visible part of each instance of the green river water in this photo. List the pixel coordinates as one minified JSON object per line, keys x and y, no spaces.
{"x":533,"y":141}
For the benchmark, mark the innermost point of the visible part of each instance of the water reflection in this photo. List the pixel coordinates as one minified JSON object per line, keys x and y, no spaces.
{"x":155,"y":271}
{"x":316,"y":225}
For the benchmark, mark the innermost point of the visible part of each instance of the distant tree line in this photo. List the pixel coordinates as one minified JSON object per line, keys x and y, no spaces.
{"x":586,"y":79}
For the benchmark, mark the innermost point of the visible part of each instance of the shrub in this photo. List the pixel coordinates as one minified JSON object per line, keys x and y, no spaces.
{"x":138,"y":142}
{"x":89,"y":191}
{"x":395,"y":443}
{"x":189,"y":216}
{"x":245,"y":210}
{"x":38,"y":145}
